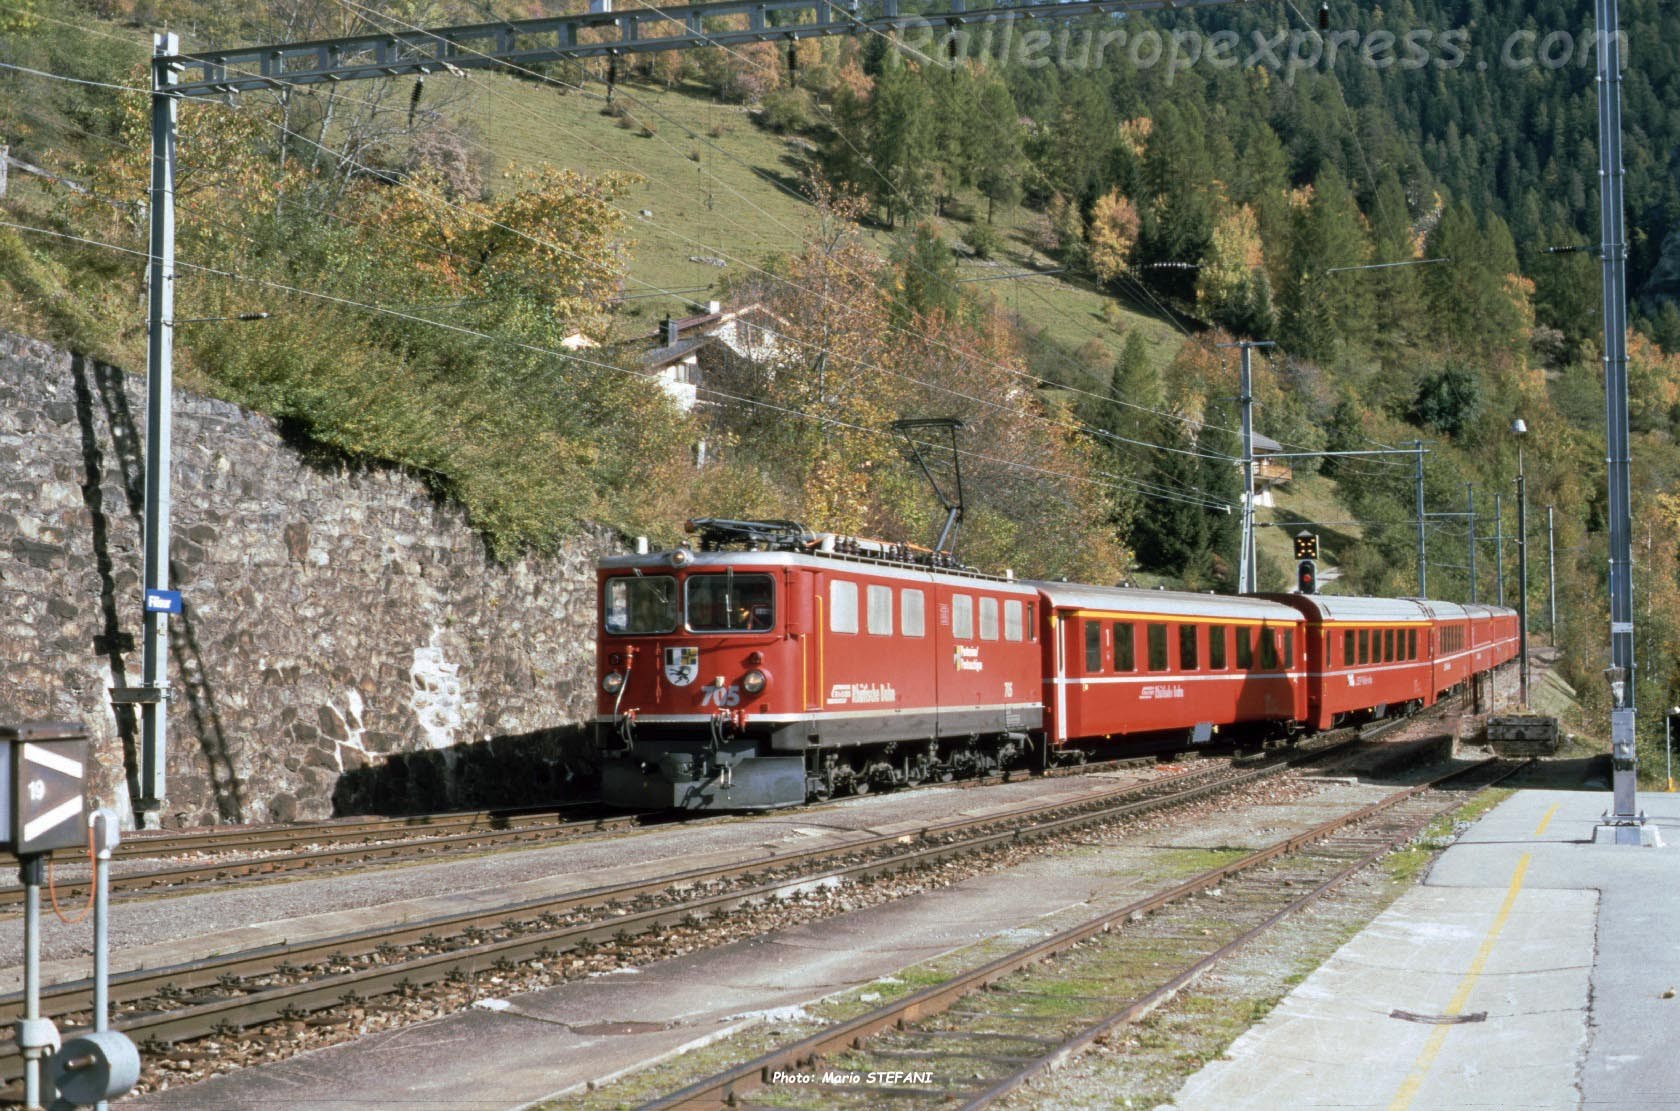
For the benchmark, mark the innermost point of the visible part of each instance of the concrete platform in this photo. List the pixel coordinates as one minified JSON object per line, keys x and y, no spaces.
{"x":1528,"y":971}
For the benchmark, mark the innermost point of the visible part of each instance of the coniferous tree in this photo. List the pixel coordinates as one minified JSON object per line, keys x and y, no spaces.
{"x":1324,"y":311}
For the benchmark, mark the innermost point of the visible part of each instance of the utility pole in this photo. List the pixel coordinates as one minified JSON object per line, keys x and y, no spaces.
{"x":1470,"y":516}
{"x":1522,"y":579}
{"x":1245,"y":396}
{"x":153,"y":693}
{"x":1551,"y":579}
{"x":1422,"y":557}
{"x":1622,"y":823}
{"x":1499,"y":546}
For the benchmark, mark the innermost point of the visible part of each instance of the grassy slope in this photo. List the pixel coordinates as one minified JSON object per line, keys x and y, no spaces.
{"x":719,"y":186}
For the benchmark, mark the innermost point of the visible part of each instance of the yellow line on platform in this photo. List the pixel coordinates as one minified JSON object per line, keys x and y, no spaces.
{"x":1547,"y":820}
{"x":1437,"y":1037}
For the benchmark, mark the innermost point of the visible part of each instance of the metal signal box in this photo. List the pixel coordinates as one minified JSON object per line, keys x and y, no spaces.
{"x":43,"y":787}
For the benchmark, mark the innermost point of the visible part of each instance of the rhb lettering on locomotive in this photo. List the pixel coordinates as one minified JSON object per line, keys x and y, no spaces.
{"x":858,"y":694}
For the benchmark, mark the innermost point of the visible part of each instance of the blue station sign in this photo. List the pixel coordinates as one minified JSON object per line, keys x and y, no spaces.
{"x":163,"y":601}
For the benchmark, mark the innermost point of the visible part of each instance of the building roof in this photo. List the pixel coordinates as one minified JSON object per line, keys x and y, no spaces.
{"x":661,"y":357}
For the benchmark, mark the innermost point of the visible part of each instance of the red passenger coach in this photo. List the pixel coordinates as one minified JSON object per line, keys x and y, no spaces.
{"x":805,"y":665}
{"x":1120,"y":662}
{"x":1365,"y":656}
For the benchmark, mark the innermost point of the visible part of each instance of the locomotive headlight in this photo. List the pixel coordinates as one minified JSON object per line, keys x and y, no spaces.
{"x":754,"y":681}
{"x":613,"y":682}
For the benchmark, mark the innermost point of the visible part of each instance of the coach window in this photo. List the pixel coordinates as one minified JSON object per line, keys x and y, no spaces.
{"x":1216,"y":647}
{"x":730,"y":603}
{"x":1245,"y":648}
{"x":912,"y":621}
{"x":1188,"y":652}
{"x":1411,"y":644}
{"x":1157,"y":635}
{"x":1364,"y":646}
{"x":1288,"y":648}
{"x":962,"y":617}
{"x":1388,"y":645}
{"x":1268,"y":650}
{"x":1125,"y":652}
{"x":842,"y":606}
{"x":880,"y":611}
{"x":1093,"y":647}
{"x":988,"y":618}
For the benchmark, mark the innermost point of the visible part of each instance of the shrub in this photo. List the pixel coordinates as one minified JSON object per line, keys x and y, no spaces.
{"x":983,"y":240}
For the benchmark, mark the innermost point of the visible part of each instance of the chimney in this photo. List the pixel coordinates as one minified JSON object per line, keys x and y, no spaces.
{"x":670,"y":331}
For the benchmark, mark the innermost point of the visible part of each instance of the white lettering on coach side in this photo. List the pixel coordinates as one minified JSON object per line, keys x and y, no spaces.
{"x":1149,"y":694}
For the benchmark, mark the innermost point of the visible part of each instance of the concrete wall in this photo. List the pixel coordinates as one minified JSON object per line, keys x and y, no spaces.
{"x":348,"y":642}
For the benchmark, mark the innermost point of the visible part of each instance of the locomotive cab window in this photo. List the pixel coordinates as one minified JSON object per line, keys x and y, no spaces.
{"x":1157,"y":647}
{"x":912,"y":620}
{"x":988,"y":618}
{"x":1188,"y":651}
{"x":1093,"y":647}
{"x":880,"y":611}
{"x":842,"y":606}
{"x":962,"y":617}
{"x":1216,"y":647}
{"x":730,"y":603}
{"x":640,"y":604}
{"x":1125,"y":658}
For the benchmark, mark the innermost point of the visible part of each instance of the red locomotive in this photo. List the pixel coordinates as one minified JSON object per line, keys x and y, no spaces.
{"x":771,"y":665}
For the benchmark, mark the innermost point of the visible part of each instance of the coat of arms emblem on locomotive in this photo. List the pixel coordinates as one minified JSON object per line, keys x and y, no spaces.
{"x":681,"y":665}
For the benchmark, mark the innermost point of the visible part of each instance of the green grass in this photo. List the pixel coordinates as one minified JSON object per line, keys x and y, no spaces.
{"x":1407,"y":864}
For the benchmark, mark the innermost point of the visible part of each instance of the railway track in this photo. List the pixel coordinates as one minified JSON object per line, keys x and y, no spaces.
{"x":975,"y":1038}
{"x":222,"y":994}
{"x":378,"y":842}
{"x":275,"y":852}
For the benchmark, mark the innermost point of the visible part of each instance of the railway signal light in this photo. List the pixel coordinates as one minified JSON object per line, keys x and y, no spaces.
{"x":1306,"y":546}
{"x":1306,"y":575}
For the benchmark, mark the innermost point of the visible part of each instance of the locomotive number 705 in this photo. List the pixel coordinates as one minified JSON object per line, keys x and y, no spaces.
{"x":724,"y":697}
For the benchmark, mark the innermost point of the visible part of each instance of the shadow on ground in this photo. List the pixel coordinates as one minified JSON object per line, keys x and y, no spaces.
{"x":526,"y":769}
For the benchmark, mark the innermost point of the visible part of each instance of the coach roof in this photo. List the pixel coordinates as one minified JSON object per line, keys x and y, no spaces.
{"x":1166,"y":603}
{"x":1338,"y":607}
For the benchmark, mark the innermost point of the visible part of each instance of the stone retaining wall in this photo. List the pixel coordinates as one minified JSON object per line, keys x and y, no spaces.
{"x":348,"y":642}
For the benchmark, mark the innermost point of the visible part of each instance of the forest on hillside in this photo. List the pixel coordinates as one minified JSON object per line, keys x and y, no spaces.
{"x":1238,"y":195}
